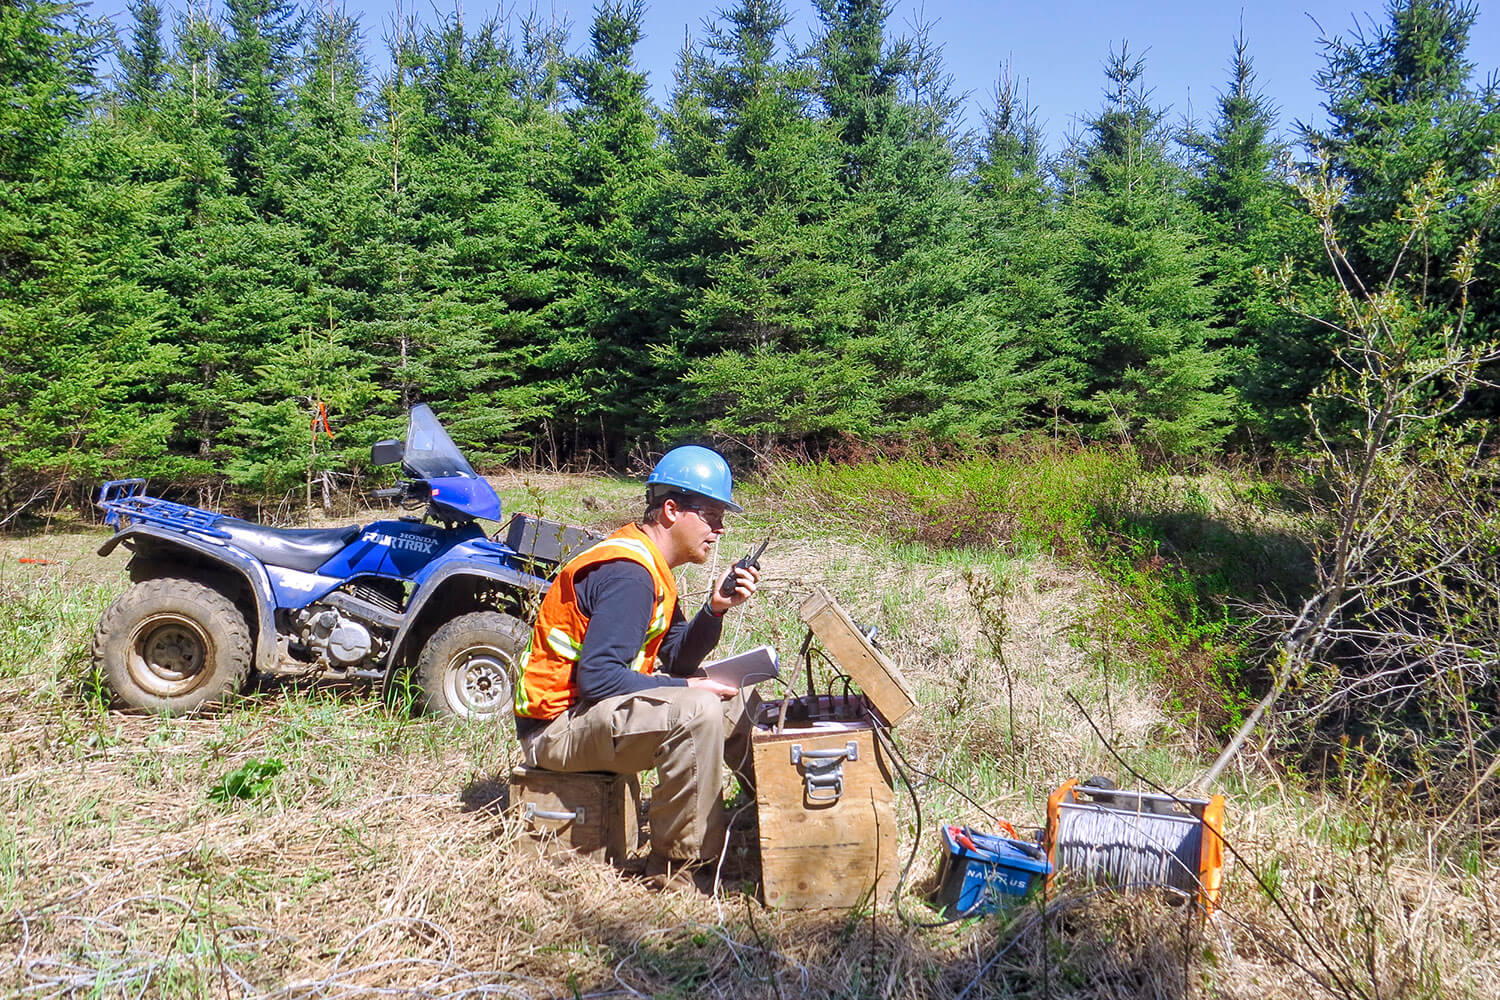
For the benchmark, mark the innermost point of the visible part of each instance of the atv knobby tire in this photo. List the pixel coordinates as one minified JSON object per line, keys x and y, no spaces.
{"x":468,"y":667}
{"x":172,"y":645}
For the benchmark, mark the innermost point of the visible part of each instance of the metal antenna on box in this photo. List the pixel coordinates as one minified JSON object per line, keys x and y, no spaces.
{"x":807,"y":658}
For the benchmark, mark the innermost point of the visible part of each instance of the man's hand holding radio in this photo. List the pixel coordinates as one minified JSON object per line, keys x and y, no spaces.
{"x":740,"y":580}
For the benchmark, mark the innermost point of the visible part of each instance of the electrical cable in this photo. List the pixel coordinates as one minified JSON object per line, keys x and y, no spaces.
{"x":898,"y":758}
{"x":945,"y":783}
{"x":807,"y":659}
{"x":885,"y":740}
{"x":805,"y":654}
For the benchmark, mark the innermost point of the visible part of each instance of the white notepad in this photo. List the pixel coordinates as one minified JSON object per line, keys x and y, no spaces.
{"x":745,"y":669}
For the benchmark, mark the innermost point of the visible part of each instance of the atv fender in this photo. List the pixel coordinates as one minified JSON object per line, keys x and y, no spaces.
{"x":146,"y":537}
{"x":453,"y":573}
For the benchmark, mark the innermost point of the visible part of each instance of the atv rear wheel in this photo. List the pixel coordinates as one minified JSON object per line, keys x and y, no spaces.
{"x":172,"y":645}
{"x":468,"y":667}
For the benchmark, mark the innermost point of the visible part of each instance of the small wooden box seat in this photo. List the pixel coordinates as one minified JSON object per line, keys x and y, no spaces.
{"x":592,"y":813}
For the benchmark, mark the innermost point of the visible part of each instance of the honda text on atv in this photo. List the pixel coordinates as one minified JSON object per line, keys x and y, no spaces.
{"x":427,"y":597}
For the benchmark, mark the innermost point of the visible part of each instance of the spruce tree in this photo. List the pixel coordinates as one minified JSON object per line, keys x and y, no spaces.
{"x":1018,"y":234}
{"x":235,"y":279}
{"x":1137,"y":282}
{"x":461,"y":274}
{"x":765,"y":304}
{"x":600,"y":367}
{"x":390,"y":257}
{"x":944,"y":360}
{"x":330,"y":187}
{"x":444,"y":180}
{"x":78,"y":347}
{"x":859,"y":73}
{"x":1250,"y":220}
{"x":1401,"y":100}
{"x":256,"y":70}
{"x":144,"y":61}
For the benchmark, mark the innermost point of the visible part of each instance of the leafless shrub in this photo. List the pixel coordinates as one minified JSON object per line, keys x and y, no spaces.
{"x":1407,"y":603}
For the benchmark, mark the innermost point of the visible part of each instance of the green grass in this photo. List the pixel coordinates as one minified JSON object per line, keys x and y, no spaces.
{"x":49,"y":623}
{"x":1052,"y":500}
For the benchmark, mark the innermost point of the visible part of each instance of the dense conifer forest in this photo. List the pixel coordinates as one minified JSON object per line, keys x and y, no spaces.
{"x":215,"y":228}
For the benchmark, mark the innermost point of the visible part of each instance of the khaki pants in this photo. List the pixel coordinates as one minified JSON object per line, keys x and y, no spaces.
{"x":687,"y":734}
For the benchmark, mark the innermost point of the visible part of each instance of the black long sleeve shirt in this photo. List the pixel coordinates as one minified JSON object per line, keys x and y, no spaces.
{"x":617,"y":597}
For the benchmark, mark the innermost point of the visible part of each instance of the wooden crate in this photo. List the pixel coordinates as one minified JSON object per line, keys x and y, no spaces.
{"x":824,"y":804}
{"x":593,"y":813}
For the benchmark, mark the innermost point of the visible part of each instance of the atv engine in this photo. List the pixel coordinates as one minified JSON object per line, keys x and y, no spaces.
{"x":343,"y":641}
{"x":347,"y":628}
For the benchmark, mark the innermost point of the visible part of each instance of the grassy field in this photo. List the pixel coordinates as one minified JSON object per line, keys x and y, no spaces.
{"x":366,"y":861}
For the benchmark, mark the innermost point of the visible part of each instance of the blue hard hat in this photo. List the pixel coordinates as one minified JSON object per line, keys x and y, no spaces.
{"x":693,"y":469}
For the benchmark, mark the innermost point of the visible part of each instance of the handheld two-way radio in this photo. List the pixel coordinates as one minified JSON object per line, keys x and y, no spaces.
{"x":726,"y":589}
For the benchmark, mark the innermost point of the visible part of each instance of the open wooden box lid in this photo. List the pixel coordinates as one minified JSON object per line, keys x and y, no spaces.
{"x":876,"y":675}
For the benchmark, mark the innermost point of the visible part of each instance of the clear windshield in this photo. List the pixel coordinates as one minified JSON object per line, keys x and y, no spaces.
{"x":430,"y":452}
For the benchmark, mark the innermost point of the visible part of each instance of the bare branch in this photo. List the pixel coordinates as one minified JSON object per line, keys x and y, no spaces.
{"x":35,"y":496}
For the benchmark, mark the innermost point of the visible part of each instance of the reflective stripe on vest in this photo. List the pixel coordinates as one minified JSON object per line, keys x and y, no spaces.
{"x":546,"y":683}
{"x":563,"y":645}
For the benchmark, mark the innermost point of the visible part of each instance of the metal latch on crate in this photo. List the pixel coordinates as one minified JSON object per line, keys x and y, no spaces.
{"x":823,"y":770}
{"x":530,"y":812}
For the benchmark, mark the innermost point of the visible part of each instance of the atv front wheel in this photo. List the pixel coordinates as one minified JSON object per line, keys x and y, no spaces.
{"x":468,"y":666}
{"x":172,"y":645}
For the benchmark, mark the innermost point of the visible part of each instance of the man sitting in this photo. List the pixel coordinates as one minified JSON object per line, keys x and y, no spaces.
{"x":610,"y":679}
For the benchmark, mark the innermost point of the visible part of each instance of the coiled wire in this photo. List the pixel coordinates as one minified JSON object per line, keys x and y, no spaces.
{"x":1122,"y":846}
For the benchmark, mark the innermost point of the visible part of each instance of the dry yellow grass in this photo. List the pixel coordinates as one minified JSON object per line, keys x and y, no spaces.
{"x":369,"y":870}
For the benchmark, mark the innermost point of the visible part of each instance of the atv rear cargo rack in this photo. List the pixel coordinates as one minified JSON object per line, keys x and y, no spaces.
{"x":125,"y":503}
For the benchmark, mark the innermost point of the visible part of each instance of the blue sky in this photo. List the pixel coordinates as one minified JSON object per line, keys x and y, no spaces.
{"x":1057,"y":49}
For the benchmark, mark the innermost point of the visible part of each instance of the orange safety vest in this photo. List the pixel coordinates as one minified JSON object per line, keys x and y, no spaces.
{"x":547,"y":684}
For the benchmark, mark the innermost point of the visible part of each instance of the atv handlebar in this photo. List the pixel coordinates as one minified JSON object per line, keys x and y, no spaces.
{"x":408,"y":493}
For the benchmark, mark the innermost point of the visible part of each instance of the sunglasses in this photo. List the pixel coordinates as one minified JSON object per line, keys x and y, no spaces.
{"x":712,"y":516}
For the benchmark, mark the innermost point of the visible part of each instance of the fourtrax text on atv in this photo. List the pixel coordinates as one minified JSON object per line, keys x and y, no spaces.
{"x":428,"y":596}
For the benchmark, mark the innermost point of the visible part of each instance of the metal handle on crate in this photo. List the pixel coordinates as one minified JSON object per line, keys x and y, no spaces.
{"x":823,"y":770}
{"x":531,"y":812}
{"x":850,"y":750}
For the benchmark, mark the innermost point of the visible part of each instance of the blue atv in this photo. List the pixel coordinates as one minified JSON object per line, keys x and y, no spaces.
{"x":427,"y":599}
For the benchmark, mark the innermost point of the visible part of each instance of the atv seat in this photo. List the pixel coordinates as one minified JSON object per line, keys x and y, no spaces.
{"x":293,"y":548}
